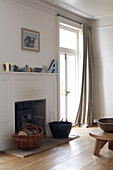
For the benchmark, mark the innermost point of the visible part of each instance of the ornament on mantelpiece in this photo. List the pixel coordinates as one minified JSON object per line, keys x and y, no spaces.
{"x":7,"y":66}
{"x":53,"y":67}
{"x":15,"y":68}
{"x":44,"y":69}
{"x":27,"y":68}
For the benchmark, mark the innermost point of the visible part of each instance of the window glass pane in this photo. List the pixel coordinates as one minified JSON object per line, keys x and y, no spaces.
{"x":71,"y":87}
{"x":62,"y":86}
{"x":68,"y":39}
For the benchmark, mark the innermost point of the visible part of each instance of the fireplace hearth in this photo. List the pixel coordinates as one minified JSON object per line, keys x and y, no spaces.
{"x":33,"y":111}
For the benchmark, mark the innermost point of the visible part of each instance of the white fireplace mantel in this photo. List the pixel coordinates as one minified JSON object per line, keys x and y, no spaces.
{"x":15,"y":86}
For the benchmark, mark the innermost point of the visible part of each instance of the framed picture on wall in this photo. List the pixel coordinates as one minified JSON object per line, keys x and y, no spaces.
{"x":30,"y":40}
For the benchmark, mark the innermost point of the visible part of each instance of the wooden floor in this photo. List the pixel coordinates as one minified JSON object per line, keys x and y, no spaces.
{"x":75,"y":155}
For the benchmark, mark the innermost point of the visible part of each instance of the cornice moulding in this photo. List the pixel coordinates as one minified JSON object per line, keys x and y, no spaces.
{"x":48,"y":9}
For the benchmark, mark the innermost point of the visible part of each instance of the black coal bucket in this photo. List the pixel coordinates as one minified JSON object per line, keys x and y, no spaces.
{"x":60,"y":129}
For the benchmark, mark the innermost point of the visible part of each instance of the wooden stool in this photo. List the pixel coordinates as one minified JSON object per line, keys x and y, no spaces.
{"x":101,"y":139}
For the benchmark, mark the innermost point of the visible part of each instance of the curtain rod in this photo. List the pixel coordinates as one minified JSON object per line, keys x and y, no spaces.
{"x":69,"y":19}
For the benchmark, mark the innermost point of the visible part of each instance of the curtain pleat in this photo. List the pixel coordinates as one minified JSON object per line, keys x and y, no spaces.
{"x":84,"y":114}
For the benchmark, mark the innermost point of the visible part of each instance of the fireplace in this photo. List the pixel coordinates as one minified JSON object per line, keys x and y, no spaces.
{"x":32,"y":111}
{"x":23,"y":87}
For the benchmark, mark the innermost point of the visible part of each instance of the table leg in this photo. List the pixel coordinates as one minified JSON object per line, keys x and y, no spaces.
{"x":110,"y":145}
{"x":98,"y":145}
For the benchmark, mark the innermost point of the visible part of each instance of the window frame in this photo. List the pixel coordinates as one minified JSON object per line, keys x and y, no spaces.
{"x":68,"y":50}
{"x":77,"y":28}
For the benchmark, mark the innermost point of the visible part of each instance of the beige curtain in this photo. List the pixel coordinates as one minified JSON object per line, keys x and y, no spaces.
{"x":84,"y":114}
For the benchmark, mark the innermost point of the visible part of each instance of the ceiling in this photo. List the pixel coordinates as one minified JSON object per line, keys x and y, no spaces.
{"x":90,"y":9}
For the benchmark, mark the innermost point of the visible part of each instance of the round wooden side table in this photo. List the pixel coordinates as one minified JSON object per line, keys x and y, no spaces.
{"x":101,"y":139}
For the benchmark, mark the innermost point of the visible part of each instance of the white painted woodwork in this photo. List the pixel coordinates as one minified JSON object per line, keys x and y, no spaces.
{"x":22,"y":87}
{"x":92,"y":9}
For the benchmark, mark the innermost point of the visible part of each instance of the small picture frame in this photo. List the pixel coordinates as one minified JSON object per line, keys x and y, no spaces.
{"x":30,"y":40}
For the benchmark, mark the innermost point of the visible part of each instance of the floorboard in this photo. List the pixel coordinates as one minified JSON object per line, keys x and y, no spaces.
{"x":75,"y":155}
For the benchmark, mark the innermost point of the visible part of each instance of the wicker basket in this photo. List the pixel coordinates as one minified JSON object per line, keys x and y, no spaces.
{"x":30,"y":141}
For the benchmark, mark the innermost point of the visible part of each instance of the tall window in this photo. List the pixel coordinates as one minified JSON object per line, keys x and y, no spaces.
{"x":69,"y":56}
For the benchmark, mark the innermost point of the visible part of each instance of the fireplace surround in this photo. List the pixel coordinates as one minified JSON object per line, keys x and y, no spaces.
{"x":17,"y":87}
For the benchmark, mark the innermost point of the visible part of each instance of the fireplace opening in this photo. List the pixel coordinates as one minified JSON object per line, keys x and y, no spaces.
{"x":33,"y":111}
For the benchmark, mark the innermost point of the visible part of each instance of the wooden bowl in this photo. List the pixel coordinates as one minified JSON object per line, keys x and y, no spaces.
{"x":106,"y":124}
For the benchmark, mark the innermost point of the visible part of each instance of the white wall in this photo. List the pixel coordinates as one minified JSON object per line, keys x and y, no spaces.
{"x":103,"y":68}
{"x":12,"y":18}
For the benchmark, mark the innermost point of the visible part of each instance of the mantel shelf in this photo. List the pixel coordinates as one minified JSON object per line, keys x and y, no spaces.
{"x":28,"y":73}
